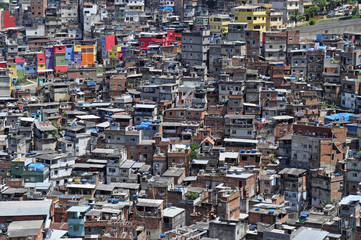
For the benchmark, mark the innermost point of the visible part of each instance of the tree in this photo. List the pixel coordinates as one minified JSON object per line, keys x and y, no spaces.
{"x":312,"y":21}
{"x":194,"y":146}
{"x":332,"y":4}
{"x":54,"y":132}
{"x":355,"y":13}
{"x":193,"y":154}
{"x":296,"y":16}
{"x":313,"y":11}
{"x":320,"y":3}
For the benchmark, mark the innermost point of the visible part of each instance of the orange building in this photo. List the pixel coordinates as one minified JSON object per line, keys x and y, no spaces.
{"x":88,"y":54}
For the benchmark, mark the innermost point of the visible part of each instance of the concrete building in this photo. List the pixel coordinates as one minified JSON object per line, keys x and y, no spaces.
{"x":294,"y":186}
{"x":227,"y":229}
{"x":195,"y":47}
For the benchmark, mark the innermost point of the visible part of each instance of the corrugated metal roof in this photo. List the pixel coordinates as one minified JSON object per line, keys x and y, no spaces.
{"x":311,"y":234}
{"x":24,"y":208}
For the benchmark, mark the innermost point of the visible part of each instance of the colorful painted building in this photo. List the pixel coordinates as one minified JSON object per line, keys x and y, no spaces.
{"x":77,"y":54}
{"x":60,"y":59}
{"x":49,"y":58}
{"x":254,"y":15}
{"x":13,"y":74}
{"x":174,"y":37}
{"x":44,"y":76}
{"x":88,"y":54}
{"x":163,"y":39}
{"x":7,"y":21}
{"x":219,"y":23}
{"x":107,"y":42}
{"x":116,"y":52}
{"x":69,"y":54}
{"x":20,"y":67}
{"x":41,"y":61}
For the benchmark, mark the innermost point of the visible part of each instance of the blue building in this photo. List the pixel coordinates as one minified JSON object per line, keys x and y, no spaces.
{"x":76,"y":220}
{"x":69,"y":54}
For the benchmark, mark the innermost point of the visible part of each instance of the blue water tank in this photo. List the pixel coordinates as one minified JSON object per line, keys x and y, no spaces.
{"x":115,"y":201}
{"x":135,"y":196}
{"x":109,"y":200}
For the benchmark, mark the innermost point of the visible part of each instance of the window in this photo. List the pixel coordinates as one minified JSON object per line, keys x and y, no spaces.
{"x":76,"y":228}
{"x":249,"y":18}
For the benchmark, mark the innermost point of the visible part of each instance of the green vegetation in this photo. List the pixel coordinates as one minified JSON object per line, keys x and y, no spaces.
{"x":100,"y":70}
{"x":312,"y":21}
{"x":192,"y":196}
{"x":321,"y":4}
{"x":312,"y":11}
{"x":54,"y":132}
{"x":193,"y":154}
{"x":355,"y":13}
{"x":327,"y":20}
{"x":296,"y":16}
{"x":272,"y":158}
{"x":332,"y":202}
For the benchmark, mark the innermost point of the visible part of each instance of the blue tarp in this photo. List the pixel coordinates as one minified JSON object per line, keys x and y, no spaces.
{"x":91,"y":83}
{"x":37,"y":166}
{"x":144,"y":125}
{"x":339,"y":117}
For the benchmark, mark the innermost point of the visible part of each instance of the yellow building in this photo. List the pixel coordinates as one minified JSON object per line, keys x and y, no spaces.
{"x":41,"y":67}
{"x":13,"y":73}
{"x":116,"y":52}
{"x":219,"y":23}
{"x":274,"y":21}
{"x":77,"y":48}
{"x":254,"y":15}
